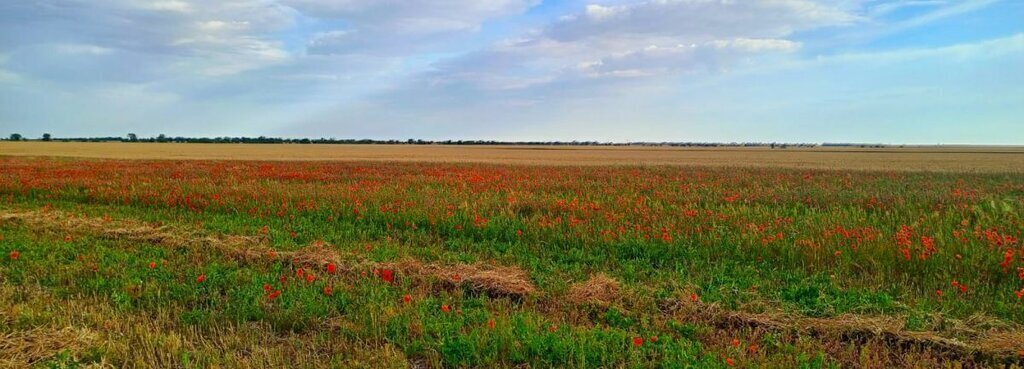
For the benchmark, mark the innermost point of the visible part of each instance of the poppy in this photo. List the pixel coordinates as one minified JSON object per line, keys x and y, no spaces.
{"x":274,"y":295}
{"x":694,"y":297}
{"x":15,"y":254}
{"x":638,"y":341}
{"x":331,"y":269}
{"x":152,"y":265}
{"x":735,"y":342}
{"x":653,"y":339}
{"x":552,"y":328}
{"x":490,"y":324}
{"x":310,"y":278}
{"x":730,"y":362}
{"x":406,"y":299}
{"x":266,"y":287}
{"x":445,"y":308}
{"x":328,"y":290}
{"x":387,"y":275}
{"x":201,"y":278}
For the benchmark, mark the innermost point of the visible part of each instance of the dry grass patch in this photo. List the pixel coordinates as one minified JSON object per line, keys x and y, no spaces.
{"x":600,"y":290}
{"x":991,"y":345}
{"x":32,"y":346}
{"x":494,"y":280}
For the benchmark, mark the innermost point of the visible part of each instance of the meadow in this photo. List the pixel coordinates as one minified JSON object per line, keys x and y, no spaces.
{"x":230,"y":263}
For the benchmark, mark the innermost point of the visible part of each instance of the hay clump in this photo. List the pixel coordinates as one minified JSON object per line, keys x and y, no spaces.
{"x":600,"y":290}
{"x":494,"y":280}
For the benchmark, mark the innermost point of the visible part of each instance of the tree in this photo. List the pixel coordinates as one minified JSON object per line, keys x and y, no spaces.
{"x":15,"y":137}
{"x":133,"y":137}
{"x":46,"y":137}
{"x":161,"y":138}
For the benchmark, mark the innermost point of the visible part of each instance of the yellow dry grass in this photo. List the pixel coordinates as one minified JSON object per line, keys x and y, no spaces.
{"x":157,"y":339}
{"x":945,"y":158}
{"x":493,"y":280}
{"x":599,"y":290}
{"x":971,"y":338}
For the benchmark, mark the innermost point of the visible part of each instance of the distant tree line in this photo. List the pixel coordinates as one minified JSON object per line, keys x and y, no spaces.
{"x":131,"y":137}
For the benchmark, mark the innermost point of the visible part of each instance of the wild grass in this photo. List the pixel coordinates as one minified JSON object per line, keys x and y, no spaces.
{"x":319,"y":264}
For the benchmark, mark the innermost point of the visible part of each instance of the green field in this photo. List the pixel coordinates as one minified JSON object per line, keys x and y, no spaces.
{"x":229,"y":264}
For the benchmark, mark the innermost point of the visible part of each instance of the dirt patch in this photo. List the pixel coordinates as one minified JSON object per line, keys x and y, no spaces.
{"x":600,"y":290}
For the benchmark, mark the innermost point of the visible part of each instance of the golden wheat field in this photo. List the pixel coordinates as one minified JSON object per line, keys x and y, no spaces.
{"x":974,"y":159}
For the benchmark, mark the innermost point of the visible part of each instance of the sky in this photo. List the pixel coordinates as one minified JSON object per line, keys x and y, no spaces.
{"x":868,"y":71}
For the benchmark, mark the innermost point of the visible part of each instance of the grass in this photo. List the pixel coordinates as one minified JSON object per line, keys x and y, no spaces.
{"x":482,"y":265}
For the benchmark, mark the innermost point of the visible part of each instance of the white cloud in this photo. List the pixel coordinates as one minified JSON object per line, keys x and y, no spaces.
{"x":181,"y":37}
{"x":643,"y":39}
{"x":168,"y":5}
{"x":701,"y":20}
{"x":400,"y":27}
{"x":82,"y":49}
{"x":405,"y":16}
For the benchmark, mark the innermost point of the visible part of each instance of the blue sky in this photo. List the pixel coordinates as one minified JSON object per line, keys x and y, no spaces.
{"x":911,"y":71}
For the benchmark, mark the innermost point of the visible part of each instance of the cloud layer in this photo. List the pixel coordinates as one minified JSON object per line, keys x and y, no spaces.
{"x":471,"y":69}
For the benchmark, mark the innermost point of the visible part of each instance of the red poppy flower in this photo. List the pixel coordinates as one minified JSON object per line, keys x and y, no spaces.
{"x":406,"y":299}
{"x":310,"y":278}
{"x":653,"y":339}
{"x":445,"y":308}
{"x":152,"y":265}
{"x":331,"y":269}
{"x":201,"y":278}
{"x":266,"y":287}
{"x":552,"y":328}
{"x":299,"y":272}
{"x":638,"y":341}
{"x":274,"y":295}
{"x":730,"y":362}
{"x":283,"y":279}
{"x":735,"y":342}
{"x":490,"y":324}
{"x":328,"y":290}
{"x":387,"y":275}
{"x":694,"y":297}
{"x":15,"y":254}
